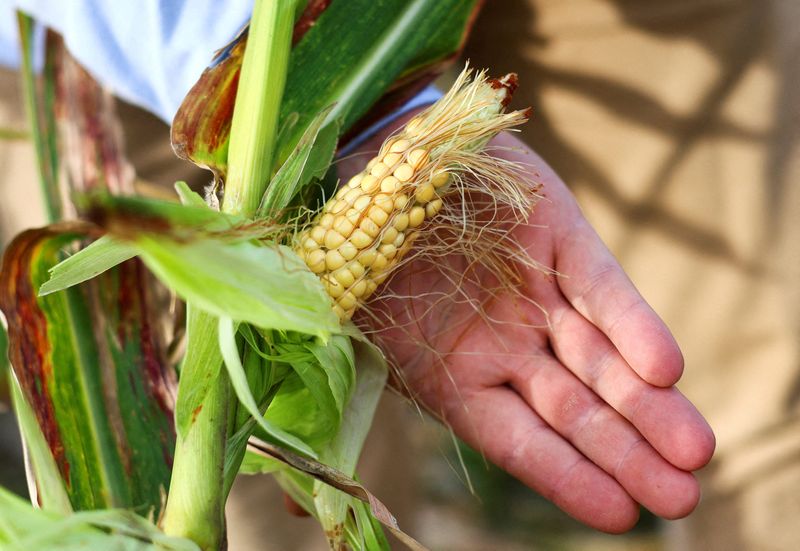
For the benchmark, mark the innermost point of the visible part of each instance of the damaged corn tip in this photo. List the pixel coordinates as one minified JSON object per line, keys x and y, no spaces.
{"x":366,"y":229}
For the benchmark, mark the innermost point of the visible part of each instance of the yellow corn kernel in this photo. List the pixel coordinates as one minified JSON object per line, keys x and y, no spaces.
{"x":356,"y":268}
{"x":326,"y":221}
{"x":388,"y":250}
{"x":389,"y":235}
{"x":342,"y":225}
{"x":404,"y":172}
{"x":401,"y":201}
{"x":380,"y":262}
{"x":424,"y":193}
{"x":339,"y":206}
{"x":390,"y":184}
{"x":416,"y":216}
{"x":400,"y":146}
{"x":440,"y":179}
{"x":362,"y":203}
{"x":367,"y":258}
{"x":391,"y":159}
{"x":340,"y":313}
{"x":369,"y":183}
{"x":359,"y":288}
{"x":333,"y":239}
{"x":384,"y":202}
{"x":433,"y":208}
{"x":318,"y":234}
{"x":352,"y":195}
{"x":348,"y":250}
{"x":378,"y":215}
{"x":344,"y":277}
{"x":347,"y":301}
{"x":316,"y":261}
{"x":334,"y":260}
{"x":417,"y":158}
{"x":334,"y":288}
{"x":380,"y":278}
{"x":400,"y":221}
{"x":360,"y":239}
{"x":378,"y":171}
{"x":353,"y":216}
{"x":370,"y":227}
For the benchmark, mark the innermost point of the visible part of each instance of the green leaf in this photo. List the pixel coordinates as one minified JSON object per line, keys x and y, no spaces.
{"x":230,"y":355}
{"x":385,"y":40}
{"x":319,"y":162}
{"x":23,"y":528}
{"x":295,"y":410}
{"x":309,"y":160}
{"x":71,"y":351}
{"x":313,"y":376}
{"x":41,"y":115}
{"x":254,"y":463}
{"x":102,"y":255}
{"x":337,"y":359}
{"x":203,"y":255}
{"x":268,"y":286}
{"x":287,"y":127}
{"x":363,"y":531}
{"x":354,"y":69}
{"x":128,"y":216}
{"x":52,"y":496}
{"x":188,"y":197}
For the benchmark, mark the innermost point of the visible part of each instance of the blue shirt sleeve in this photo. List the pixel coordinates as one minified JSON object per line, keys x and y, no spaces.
{"x":148,"y":52}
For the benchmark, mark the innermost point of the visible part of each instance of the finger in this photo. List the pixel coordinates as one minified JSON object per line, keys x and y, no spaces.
{"x":669,"y":422}
{"x":595,"y":284}
{"x":604,"y":436}
{"x":592,"y":279}
{"x":497,"y":422}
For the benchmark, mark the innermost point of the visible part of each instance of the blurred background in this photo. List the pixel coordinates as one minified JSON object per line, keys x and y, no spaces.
{"x":676,"y":123}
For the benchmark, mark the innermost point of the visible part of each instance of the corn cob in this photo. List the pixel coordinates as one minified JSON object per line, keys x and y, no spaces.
{"x":367,"y":228}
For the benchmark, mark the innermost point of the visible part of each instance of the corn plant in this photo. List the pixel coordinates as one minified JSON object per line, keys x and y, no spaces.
{"x":275,"y":378}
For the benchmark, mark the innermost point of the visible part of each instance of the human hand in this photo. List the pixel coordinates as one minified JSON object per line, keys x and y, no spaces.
{"x":569,"y":389}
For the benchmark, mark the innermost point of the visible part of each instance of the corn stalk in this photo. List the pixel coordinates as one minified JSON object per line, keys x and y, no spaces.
{"x":196,"y":504}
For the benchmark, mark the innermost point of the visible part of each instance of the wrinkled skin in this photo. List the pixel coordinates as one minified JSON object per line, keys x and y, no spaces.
{"x":578,"y":403}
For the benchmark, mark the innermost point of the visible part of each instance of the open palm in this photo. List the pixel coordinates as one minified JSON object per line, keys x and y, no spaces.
{"x":570,"y":389}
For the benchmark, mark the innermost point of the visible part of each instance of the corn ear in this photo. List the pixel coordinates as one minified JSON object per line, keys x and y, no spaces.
{"x":366,"y":230}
